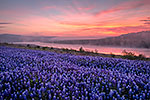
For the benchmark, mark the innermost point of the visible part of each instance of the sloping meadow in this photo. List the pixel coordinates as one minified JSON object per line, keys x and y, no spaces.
{"x":32,"y":74}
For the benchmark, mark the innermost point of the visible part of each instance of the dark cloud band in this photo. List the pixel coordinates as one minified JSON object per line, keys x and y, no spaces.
{"x":148,"y":23}
{"x":4,"y":23}
{"x":145,"y":20}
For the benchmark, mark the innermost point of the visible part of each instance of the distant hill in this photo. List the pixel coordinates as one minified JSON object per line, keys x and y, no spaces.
{"x":138,"y":40}
{"x":22,"y":38}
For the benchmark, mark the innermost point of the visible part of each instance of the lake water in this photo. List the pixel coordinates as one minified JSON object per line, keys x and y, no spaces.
{"x":100,"y":49}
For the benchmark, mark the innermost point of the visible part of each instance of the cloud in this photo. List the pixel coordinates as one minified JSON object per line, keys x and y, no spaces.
{"x":49,"y":7}
{"x":2,"y":23}
{"x":125,"y":6}
{"x":85,"y":8}
{"x":81,"y":7}
{"x":146,"y":21}
{"x":2,"y":26}
{"x":128,"y":29}
{"x":74,"y":7}
{"x":114,"y":30}
{"x":78,"y":20}
{"x":74,"y":23}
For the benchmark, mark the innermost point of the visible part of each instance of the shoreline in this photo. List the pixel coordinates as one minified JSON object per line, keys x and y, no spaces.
{"x":74,"y":52}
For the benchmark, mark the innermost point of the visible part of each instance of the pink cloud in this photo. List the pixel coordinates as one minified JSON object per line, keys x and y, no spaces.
{"x":76,"y":20}
{"x":16,"y":12}
{"x":125,"y":6}
{"x":49,"y":7}
{"x":128,"y":29}
{"x":113,"y":31}
{"x":146,"y":21}
{"x":85,"y":8}
{"x":80,"y":7}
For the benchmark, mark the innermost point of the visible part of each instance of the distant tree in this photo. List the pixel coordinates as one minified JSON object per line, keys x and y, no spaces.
{"x":128,"y":55}
{"x":81,"y":49}
{"x":96,"y":51}
{"x":141,"y":56}
{"x":44,"y":48}
{"x":37,"y":46}
{"x":51,"y":48}
{"x":124,"y":52}
{"x":28,"y":45}
{"x":112,"y":55}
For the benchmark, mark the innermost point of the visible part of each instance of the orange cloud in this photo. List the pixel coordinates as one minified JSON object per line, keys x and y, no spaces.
{"x":114,"y":31}
{"x":101,"y":32}
{"x":79,"y":21}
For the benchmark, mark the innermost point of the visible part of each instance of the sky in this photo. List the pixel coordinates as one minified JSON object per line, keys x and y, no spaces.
{"x":74,"y":18}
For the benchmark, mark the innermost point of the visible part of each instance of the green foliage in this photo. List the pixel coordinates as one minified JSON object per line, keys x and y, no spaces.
{"x":128,"y":55}
{"x":132,"y":56}
{"x":112,"y":55}
{"x":65,"y":49}
{"x":141,"y":57}
{"x":37,"y":46}
{"x":124,"y":52}
{"x":51,"y":48}
{"x":44,"y":48}
{"x":28,"y":45}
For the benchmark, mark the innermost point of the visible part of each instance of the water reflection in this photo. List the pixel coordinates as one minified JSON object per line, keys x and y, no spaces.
{"x":100,"y":49}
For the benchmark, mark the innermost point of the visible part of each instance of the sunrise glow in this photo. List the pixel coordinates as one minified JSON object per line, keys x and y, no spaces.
{"x":74,"y":17}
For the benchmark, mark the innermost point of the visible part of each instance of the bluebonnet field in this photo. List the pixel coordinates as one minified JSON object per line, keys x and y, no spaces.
{"x":32,"y":74}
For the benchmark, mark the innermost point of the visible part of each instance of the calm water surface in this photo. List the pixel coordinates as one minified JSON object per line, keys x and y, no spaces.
{"x":100,"y":49}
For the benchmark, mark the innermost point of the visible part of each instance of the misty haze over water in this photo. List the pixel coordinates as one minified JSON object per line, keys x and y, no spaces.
{"x":101,"y":49}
